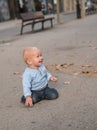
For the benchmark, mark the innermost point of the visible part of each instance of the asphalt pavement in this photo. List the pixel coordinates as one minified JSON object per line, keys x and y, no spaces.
{"x":70,"y":53}
{"x":10,"y":30}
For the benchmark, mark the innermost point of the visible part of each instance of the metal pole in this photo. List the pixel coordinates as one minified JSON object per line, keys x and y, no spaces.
{"x":58,"y":12}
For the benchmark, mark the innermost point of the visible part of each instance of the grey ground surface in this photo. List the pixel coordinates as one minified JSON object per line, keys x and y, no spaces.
{"x":72,"y":48}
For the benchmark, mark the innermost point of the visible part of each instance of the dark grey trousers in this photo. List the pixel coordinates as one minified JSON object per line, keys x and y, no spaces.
{"x":46,"y":93}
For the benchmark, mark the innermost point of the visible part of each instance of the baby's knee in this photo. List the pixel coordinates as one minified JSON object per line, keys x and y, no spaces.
{"x":54,"y":94}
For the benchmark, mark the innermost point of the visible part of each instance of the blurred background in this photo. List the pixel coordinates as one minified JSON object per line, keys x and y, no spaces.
{"x":10,"y":9}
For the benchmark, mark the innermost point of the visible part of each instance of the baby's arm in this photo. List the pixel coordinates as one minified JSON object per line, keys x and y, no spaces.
{"x":27,"y":89}
{"x":50,"y":77}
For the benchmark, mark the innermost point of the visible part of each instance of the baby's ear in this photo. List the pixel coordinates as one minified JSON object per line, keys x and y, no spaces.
{"x":29,"y":62}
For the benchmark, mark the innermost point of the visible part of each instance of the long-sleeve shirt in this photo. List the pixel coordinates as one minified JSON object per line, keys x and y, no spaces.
{"x":35,"y":79}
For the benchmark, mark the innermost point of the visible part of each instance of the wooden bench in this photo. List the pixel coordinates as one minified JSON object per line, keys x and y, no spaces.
{"x":31,"y":18}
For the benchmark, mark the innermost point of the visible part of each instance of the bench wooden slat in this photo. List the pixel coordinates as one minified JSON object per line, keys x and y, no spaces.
{"x":31,"y":16}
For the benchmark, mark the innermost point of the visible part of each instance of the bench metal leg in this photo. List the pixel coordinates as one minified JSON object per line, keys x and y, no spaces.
{"x":21,"y":30}
{"x":51,"y":23}
{"x":42,"y":25}
{"x":32,"y":26}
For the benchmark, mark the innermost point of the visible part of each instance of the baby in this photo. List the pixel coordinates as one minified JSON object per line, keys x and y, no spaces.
{"x":35,"y":79}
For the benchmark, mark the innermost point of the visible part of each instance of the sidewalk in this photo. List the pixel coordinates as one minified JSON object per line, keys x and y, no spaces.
{"x":14,"y":23}
{"x":11,"y":29}
{"x":9,"y":24}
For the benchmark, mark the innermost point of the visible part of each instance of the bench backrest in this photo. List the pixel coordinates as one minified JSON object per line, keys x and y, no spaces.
{"x":31,"y":15}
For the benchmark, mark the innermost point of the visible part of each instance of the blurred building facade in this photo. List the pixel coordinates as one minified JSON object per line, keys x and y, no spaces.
{"x":10,"y":9}
{"x":69,"y":5}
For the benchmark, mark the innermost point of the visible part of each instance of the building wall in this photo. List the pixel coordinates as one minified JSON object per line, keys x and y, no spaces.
{"x":9,"y":9}
{"x":4,"y":10}
{"x":69,"y":5}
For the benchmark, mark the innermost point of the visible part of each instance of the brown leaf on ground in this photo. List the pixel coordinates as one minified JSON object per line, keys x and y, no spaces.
{"x":72,"y":69}
{"x":83,"y":66}
{"x":16,"y":73}
{"x":58,"y":67}
{"x":76,"y":73}
{"x":65,"y":65}
{"x":90,"y":73}
{"x":67,"y":82}
{"x":54,"y":67}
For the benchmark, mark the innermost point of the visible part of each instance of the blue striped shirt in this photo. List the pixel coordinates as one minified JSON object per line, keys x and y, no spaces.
{"x":35,"y":79}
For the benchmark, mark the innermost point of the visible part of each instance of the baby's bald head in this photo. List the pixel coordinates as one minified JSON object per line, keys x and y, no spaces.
{"x":28,"y":52}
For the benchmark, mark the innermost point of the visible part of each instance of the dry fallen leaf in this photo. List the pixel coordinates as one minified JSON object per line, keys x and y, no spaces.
{"x":83,"y":66}
{"x":89,"y":73}
{"x":85,"y":72}
{"x":72,"y":69}
{"x":67,"y":82}
{"x":76,"y":73}
{"x":58,"y":67}
{"x":65,"y":65}
{"x":16,"y":73}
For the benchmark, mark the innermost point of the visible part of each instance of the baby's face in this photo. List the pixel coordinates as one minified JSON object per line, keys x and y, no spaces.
{"x":36,"y":58}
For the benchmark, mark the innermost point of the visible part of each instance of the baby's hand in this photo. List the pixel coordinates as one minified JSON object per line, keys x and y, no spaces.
{"x":28,"y":102}
{"x":54,"y":79}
